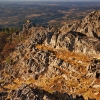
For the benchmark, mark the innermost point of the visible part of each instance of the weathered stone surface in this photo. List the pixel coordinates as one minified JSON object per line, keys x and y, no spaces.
{"x":26,"y":92}
{"x":3,"y":95}
{"x":28,"y":25}
{"x":28,"y":62}
{"x":94,"y":67}
{"x":90,"y":25}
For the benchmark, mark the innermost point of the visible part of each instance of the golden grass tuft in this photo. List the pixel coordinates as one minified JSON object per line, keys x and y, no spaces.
{"x":78,"y":81}
{"x":75,"y":59}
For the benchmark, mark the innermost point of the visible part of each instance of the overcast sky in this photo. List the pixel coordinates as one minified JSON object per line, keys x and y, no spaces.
{"x":49,"y":0}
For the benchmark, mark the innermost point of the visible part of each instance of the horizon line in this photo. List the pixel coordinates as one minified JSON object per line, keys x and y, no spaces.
{"x":49,"y":1}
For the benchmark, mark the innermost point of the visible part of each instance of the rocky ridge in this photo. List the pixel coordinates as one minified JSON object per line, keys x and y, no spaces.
{"x":89,"y":26}
{"x":51,"y":63}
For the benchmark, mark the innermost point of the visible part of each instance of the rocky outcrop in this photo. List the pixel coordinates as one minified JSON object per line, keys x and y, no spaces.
{"x":73,"y":41}
{"x":89,"y":26}
{"x":28,"y":25}
{"x":94,"y":67}
{"x":27,"y":92}
{"x":53,"y":61}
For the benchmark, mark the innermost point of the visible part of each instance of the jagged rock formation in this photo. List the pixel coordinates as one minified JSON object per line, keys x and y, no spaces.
{"x":73,"y":41}
{"x":53,"y":61}
{"x":25,"y":30}
{"x":28,"y":25}
{"x":90,"y":25}
{"x":94,"y":67}
{"x":28,"y":92}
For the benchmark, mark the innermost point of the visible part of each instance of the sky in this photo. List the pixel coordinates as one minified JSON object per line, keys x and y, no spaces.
{"x":48,"y":0}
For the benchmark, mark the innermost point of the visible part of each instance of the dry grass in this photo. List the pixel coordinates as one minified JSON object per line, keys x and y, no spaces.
{"x":62,"y":70}
{"x":1,"y":90}
{"x":79,"y":62}
{"x":51,"y":84}
{"x":77,"y":83}
{"x":18,"y":82}
{"x":43,"y":47}
{"x":70,"y":57}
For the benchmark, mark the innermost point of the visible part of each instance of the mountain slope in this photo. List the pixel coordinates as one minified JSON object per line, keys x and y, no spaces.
{"x":55,"y":62}
{"x":89,"y":26}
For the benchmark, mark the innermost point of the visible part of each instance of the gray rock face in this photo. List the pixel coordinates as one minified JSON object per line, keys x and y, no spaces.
{"x":94,"y":67}
{"x":27,"y":92}
{"x":27,"y":26}
{"x":73,"y":41}
{"x":3,"y":95}
{"x":90,"y":25}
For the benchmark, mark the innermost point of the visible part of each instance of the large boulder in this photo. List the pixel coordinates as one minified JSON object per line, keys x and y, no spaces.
{"x":27,"y":26}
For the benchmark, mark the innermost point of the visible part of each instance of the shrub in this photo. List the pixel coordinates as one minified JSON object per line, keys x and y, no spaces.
{"x":8,"y":60}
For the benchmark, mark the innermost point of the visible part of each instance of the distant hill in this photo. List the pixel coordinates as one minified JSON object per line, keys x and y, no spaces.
{"x":44,"y":13}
